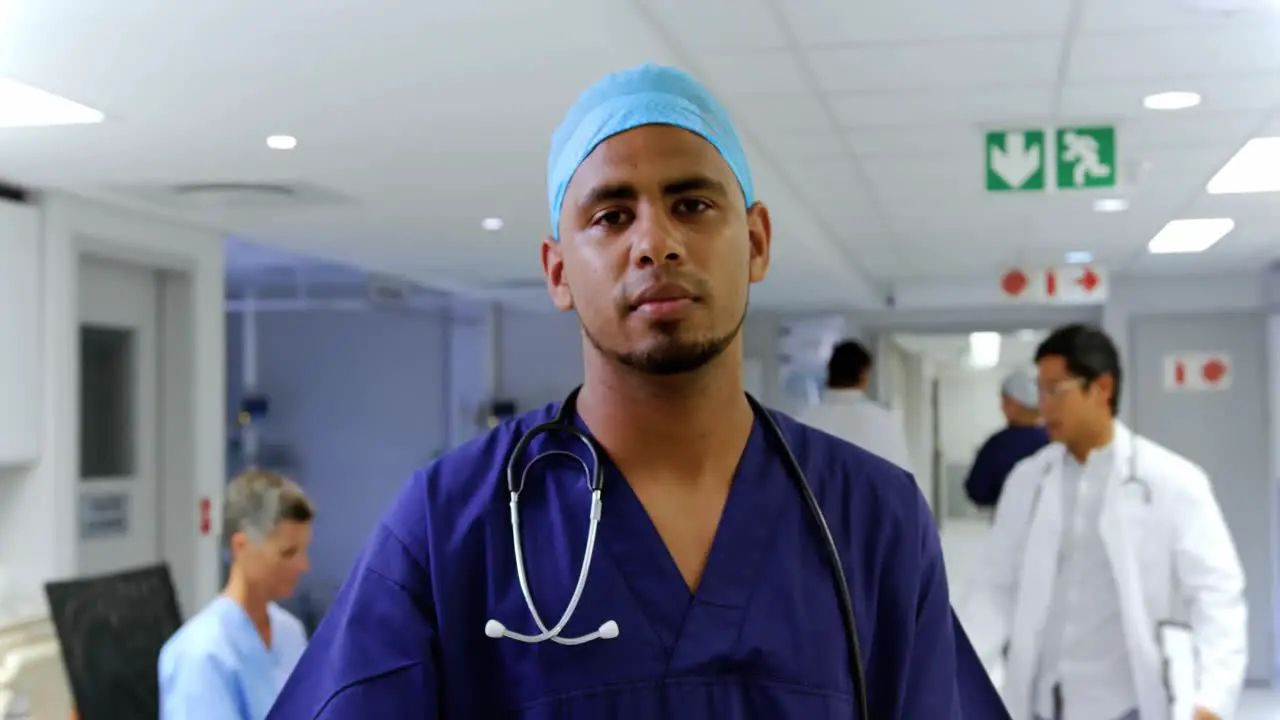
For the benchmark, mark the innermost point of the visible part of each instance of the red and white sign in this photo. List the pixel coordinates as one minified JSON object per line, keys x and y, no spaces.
{"x":1065,"y":284}
{"x":1197,"y":371}
{"x":206,"y":515}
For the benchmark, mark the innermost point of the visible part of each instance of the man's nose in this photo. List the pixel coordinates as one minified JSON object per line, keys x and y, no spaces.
{"x":658,"y":239}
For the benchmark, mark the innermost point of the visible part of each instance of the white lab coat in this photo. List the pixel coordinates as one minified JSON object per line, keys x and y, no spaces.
{"x":853,"y":417}
{"x":1172,"y":558}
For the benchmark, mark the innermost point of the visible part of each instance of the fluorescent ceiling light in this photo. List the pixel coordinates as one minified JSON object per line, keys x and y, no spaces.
{"x":282,"y":142}
{"x":984,"y":350}
{"x":1110,"y":205}
{"x":1078,"y":257}
{"x":1190,"y":236}
{"x":1174,"y":100}
{"x":1254,"y":169}
{"x":492,"y":224}
{"x":25,"y":106}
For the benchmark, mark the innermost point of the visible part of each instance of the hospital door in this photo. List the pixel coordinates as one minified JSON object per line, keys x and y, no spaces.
{"x":117,"y":511}
{"x":1199,"y":386}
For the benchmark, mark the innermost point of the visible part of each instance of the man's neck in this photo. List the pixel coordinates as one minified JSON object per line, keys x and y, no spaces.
{"x":254,"y":603}
{"x":680,"y":427}
{"x":1100,"y":437}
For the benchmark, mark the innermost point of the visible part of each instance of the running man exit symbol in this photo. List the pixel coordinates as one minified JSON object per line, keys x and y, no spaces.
{"x":1015,"y":160}
{"x":1086,"y":157}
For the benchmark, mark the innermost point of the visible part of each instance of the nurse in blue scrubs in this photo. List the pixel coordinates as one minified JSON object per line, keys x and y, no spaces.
{"x":230,"y":660}
{"x":1022,"y":437}
{"x":710,"y":593}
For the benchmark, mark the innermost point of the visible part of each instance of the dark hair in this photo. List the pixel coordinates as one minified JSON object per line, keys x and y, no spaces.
{"x":849,"y":362}
{"x":1089,"y":354}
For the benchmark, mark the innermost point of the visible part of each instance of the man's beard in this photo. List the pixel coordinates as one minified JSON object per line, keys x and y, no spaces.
{"x":672,"y":357}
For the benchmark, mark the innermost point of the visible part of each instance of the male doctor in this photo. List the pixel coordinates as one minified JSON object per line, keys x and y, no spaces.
{"x":1106,"y":549}
{"x":850,"y":415}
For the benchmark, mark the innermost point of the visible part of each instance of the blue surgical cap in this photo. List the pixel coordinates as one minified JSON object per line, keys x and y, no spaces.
{"x":645,"y":95}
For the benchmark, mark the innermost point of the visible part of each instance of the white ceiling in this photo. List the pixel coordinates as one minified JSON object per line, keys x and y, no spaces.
{"x":864,"y":120}
{"x":950,"y":351}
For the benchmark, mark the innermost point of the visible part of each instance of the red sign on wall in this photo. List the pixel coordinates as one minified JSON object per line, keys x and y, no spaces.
{"x":1065,"y":284}
{"x":1197,"y":371}
{"x":206,"y":515}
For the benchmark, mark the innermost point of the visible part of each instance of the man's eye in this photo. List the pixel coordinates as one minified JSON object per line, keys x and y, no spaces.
{"x":612,"y":217}
{"x":691,"y":205}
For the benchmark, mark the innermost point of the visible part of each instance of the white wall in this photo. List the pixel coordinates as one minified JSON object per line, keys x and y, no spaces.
{"x":38,"y":516}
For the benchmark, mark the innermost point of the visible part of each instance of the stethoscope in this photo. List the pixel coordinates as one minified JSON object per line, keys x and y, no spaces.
{"x":562,"y":424}
{"x":1132,"y":478}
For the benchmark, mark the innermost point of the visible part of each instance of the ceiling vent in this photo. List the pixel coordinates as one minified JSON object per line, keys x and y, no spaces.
{"x":232,"y":195}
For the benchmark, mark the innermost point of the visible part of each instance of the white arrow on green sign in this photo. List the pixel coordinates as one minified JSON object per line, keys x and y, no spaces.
{"x":1015,"y":160}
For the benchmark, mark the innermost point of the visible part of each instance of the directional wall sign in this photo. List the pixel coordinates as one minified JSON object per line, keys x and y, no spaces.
{"x":1015,"y":160}
{"x":1086,"y":157}
{"x":1060,"y":285}
{"x":1197,"y":371}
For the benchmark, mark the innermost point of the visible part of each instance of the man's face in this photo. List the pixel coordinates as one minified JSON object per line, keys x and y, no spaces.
{"x":1071,"y":409}
{"x":275,"y":565}
{"x":657,"y":250}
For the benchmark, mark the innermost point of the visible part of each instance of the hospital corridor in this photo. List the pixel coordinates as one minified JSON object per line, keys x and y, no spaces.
{"x":640,"y":360}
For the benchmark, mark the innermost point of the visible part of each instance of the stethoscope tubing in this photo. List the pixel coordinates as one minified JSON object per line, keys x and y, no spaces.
{"x":562,"y":424}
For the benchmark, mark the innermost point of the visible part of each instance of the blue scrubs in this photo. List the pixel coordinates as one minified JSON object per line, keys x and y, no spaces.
{"x":216,"y":667}
{"x":996,"y":459}
{"x":761,"y":638}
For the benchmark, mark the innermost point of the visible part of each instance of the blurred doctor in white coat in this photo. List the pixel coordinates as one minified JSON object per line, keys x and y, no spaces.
{"x":847,"y":412}
{"x":1114,"y":588}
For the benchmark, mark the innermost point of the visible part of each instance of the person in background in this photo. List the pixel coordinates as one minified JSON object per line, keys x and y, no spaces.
{"x":1113,"y":588}
{"x":1022,"y":437}
{"x":231,"y":659}
{"x":847,"y":412}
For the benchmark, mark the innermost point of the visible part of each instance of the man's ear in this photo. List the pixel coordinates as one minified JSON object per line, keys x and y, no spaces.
{"x":553,"y":269}
{"x":760,"y":235}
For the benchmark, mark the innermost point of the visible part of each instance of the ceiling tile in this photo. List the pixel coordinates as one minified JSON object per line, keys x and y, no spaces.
{"x":1189,"y":52}
{"x":979,"y":106}
{"x":719,"y":25}
{"x":1151,"y":133}
{"x":951,"y":64}
{"x":925,"y":177}
{"x":826,"y":179}
{"x":823,"y":22}
{"x":782,"y":112}
{"x":804,"y":145}
{"x":1124,"y":98}
{"x":1164,"y":14}
{"x":875,"y":140}
{"x":769,"y":71}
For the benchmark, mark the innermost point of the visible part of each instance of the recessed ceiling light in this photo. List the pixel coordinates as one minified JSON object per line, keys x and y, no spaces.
{"x":1078,"y":257}
{"x":1110,"y":205}
{"x":491,"y":224}
{"x":282,"y":142}
{"x":25,"y":106}
{"x":1255,"y":168}
{"x":1190,"y":236}
{"x":1172,"y":100}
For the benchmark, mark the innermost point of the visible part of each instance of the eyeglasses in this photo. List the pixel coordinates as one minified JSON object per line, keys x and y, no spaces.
{"x":1054,"y":389}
